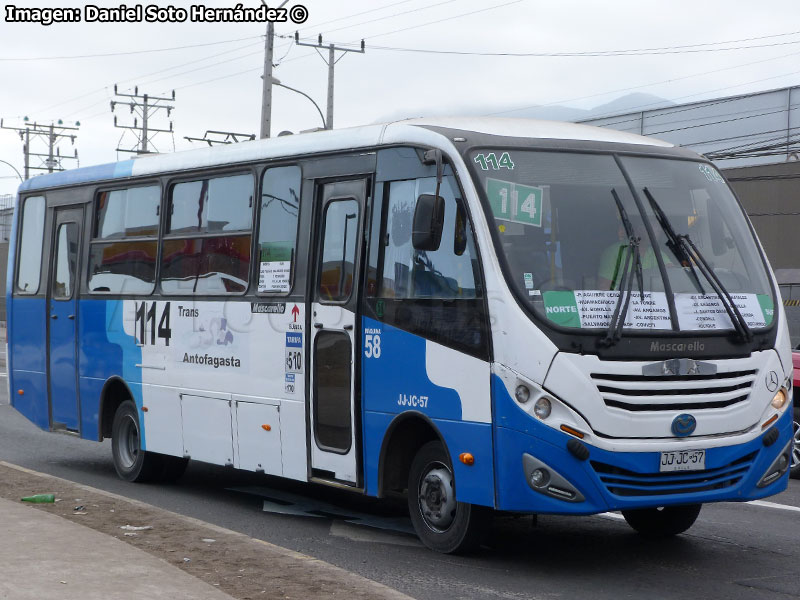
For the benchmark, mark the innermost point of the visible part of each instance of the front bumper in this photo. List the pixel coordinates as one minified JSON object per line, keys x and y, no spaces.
{"x":628,"y":480}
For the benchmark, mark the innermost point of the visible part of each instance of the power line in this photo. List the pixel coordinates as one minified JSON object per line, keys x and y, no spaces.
{"x":372,"y":10}
{"x":127,"y":53}
{"x":601,"y":53}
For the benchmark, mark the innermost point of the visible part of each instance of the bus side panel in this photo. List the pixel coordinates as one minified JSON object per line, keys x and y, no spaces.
{"x":403,"y":372}
{"x":28,"y":347}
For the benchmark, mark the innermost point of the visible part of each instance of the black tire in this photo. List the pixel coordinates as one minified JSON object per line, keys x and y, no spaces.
{"x":456,"y":527}
{"x":663,"y":521}
{"x":130,"y":461}
{"x":172,"y":468}
{"x":794,"y":469}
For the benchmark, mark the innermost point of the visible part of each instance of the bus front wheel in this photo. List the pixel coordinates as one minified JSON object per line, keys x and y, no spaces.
{"x":130,"y":461}
{"x":664,"y":521}
{"x":441,"y":522}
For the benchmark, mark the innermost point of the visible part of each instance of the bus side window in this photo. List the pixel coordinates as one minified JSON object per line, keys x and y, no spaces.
{"x":436,"y":294}
{"x":29,"y":259}
{"x":207,"y":241}
{"x":446,"y":273}
{"x":277,"y":231}
{"x":124,"y":246}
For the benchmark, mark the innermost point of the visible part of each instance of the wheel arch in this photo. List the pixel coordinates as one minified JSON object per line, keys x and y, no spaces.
{"x":406,"y":434}
{"x":115,"y":391}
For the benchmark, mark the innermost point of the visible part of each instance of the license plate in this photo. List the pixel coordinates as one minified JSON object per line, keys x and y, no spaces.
{"x":683,"y":460}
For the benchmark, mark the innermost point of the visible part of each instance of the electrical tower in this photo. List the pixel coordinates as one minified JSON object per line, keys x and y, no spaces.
{"x":50,"y":161}
{"x":222,"y":137}
{"x":144,"y":106}
{"x":331,"y":62}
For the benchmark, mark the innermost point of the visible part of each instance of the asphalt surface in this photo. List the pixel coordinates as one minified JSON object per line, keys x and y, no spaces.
{"x":733,"y":551}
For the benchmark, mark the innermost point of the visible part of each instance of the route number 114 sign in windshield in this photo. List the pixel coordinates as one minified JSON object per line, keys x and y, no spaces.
{"x":515,"y":202}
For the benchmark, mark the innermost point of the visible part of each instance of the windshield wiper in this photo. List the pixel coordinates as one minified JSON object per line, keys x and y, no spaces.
{"x":674,"y":242}
{"x":632,"y":267}
{"x":683,"y":246}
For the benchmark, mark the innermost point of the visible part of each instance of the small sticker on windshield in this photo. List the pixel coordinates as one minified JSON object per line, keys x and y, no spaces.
{"x":490,"y":161}
{"x":528,"y":280}
{"x":711,"y":174}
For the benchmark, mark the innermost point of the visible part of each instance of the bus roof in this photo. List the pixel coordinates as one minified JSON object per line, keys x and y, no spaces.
{"x":329,"y":141}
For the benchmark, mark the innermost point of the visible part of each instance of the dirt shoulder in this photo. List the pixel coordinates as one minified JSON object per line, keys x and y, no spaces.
{"x":240,"y":566}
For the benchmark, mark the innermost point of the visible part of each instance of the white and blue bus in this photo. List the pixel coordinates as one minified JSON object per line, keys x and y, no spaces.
{"x":481,"y":315}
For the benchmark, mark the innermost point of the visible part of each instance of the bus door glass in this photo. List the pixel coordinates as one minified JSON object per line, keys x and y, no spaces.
{"x":334,"y":403}
{"x":62,"y":311}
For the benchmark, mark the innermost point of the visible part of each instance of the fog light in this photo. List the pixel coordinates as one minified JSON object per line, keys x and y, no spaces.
{"x":522,"y":393}
{"x":540,"y":478}
{"x":779,"y":399}
{"x":542,"y":408}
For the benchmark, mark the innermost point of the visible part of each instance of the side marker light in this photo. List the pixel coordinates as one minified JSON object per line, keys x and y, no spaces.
{"x":571,"y":431}
{"x":466,"y":458}
{"x":21,"y":392}
{"x":769,"y":421}
{"x":266,"y":427}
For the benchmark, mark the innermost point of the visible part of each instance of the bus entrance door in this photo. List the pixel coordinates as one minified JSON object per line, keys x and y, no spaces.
{"x":62,"y":331}
{"x":335,"y":406}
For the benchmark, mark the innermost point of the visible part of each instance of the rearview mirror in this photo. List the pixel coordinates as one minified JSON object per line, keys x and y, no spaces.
{"x":428,"y":222}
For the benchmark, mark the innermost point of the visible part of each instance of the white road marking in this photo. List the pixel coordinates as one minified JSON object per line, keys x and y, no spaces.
{"x":774,"y":505}
{"x":611,"y":515}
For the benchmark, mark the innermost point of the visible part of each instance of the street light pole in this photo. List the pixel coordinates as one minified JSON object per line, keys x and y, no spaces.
{"x":319,"y":110}
{"x":13,"y":167}
{"x":266,"y":84}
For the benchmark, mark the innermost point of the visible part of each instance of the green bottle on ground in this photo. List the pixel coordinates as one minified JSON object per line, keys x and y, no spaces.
{"x":40,"y":498}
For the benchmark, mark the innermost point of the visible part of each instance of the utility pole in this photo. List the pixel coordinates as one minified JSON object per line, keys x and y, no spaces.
{"x":222,"y":137}
{"x":142,"y":105}
{"x":50,"y":134}
{"x":266,"y":84}
{"x":331,"y":61}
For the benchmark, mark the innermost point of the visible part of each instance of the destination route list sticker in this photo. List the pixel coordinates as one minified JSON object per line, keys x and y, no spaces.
{"x":595,"y":308}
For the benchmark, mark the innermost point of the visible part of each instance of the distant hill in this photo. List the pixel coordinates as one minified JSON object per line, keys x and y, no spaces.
{"x":628,"y":103}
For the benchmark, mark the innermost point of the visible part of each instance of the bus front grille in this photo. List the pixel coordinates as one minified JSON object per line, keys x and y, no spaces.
{"x":670,"y":393}
{"x":622,"y":482}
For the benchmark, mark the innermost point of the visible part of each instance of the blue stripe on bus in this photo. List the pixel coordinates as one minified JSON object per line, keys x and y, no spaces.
{"x":108,"y":171}
{"x":106,"y":351}
{"x":393,"y":382}
{"x":518,"y":433}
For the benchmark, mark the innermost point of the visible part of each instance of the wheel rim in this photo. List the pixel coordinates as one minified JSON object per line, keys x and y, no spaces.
{"x":796,"y":447}
{"x":437,"y":502}
{"x":129,"y":442}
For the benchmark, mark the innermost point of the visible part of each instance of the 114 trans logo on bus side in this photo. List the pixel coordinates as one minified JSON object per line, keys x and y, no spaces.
{"x":144,"y":315}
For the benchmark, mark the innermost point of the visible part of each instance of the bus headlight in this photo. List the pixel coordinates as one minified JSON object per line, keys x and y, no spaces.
{"x":522,"y":394}
{"x":779,"y":399}
{"x":542,"y":408}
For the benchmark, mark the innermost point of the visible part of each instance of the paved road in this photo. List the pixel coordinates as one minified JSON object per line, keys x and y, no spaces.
{"x":734,"y":551}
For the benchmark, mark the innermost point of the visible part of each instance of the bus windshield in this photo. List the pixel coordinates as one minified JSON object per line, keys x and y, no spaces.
{"x":563,"y":221}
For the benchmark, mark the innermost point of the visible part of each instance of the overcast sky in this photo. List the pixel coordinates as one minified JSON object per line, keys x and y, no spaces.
{"x":217,"y":81}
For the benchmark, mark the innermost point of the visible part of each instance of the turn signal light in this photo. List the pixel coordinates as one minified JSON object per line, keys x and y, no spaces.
{"x":266,"y":427}
{"x":769,"y":421}
{"x":21,"y":392}
{"x":571,"y":431}
{"x":466,"y":458}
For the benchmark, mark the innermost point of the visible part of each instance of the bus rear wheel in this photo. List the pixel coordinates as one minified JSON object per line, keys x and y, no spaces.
{"x":663,"y":521}
{"x":441,"y":522}
{"x":130,"y":461}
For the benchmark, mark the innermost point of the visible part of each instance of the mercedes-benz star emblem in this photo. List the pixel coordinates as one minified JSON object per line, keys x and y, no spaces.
{"x":683,"y":425}
{"x":772,"y":381}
